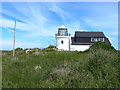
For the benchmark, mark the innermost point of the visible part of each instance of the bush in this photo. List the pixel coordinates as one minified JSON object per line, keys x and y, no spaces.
{"x":18,"y":49}
{"x":51,"y":46}
{"x":101,"y":45}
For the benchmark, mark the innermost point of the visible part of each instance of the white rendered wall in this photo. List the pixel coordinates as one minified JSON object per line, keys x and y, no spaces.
{"x":66,"y":42}
{"x":79,"y":47}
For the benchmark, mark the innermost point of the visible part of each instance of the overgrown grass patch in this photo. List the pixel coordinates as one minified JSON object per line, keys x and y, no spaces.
{"x":95,"y":68}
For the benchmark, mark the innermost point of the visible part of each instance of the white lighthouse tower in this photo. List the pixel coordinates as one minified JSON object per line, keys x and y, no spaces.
{"x":63,"y":39}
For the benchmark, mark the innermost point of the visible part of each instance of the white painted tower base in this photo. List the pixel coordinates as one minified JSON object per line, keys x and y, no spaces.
{"x":63,"y":42}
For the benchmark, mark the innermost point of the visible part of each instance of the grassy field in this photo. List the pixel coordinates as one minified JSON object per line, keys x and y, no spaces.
{"x":97,"y":67}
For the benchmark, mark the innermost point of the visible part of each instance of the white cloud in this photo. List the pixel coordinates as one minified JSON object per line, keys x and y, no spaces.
{"x":60,"y":12}
{"x":7,"y":44}
{"x":35,"y":21}
{"x":57,"y":10}
{"x":107,"y":24}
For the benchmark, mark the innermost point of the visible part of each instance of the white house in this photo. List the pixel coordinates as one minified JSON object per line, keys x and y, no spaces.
{"x":81,"y":41}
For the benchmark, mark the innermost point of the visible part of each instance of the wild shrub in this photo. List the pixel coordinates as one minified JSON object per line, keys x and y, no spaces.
{"x":51,"y":46}
{"x":104,"y":66}
{"x":101,"y":45}
{"x":18,"y":49}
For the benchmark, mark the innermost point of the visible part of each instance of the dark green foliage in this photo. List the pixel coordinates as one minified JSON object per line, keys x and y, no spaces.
{"x":101,"y":45}
{"x":51,"y":46}
{"x":98,"y":68}
{"x":18,"y":49}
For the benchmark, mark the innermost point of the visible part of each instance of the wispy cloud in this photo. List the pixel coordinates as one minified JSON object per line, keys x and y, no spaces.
{"x":34,"y":22}
{"x":38,"y":20}
{"x":58,"y":11}
{"x":7,"y":44}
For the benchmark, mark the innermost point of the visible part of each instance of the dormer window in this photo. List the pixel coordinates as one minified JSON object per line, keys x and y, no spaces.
{"x":92,"y":39}
{"x":95,"y":39}
{"x":103,"y":39}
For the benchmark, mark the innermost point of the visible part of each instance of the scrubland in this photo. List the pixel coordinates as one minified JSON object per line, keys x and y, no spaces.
{"x":97,"y":67}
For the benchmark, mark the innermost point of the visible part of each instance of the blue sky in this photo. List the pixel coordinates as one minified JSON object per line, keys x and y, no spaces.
{"x":37,"y":22}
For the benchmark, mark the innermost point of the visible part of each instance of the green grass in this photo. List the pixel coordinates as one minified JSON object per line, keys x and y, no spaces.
{"x":97,"y":68}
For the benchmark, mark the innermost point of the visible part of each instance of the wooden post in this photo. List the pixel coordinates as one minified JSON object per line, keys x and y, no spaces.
{"x":14,"y":38}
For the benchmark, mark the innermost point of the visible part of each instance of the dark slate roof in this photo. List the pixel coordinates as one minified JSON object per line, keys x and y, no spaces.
{"x":88,"y":34}
{"x":84,"y":37}
{"x":79,"y":43}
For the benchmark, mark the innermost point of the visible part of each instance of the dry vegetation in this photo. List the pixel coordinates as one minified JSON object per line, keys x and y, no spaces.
{"x":97,"y":67}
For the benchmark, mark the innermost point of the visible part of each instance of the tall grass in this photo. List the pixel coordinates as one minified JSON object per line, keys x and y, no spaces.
{"x":97,"y":68}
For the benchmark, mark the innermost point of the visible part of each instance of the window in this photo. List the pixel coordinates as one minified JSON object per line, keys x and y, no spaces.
{"x":92,"y":39}
{"x":95,"y":39}
{"x":62,"y":42}
{"x":63,"y":32}
{"x":103,"y":39}
{"x":98,"y":39}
